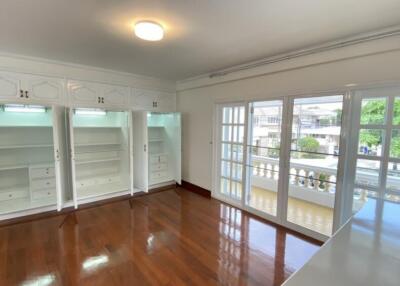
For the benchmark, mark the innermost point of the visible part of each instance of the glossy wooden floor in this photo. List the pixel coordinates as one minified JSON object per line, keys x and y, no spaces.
{"x":169,"y":238}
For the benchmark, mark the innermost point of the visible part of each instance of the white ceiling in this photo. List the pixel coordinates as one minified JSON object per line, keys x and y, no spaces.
{"x":201,"y":36}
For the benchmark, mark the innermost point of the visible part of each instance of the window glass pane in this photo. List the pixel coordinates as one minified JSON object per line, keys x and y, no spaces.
{"x":395,"y":144}
{"x":225,"y":169}
{"x":226,"y":133}
{"x":396,"y":114}
{"x":393,"y":177}
{"x":236,"y":191}
{"x":267,"y":119}
{"x":367,"y":172}
{"x":237,"y":153}
{"x":238,"y":134}
{"x":227,"y":115}
{"x":225,"y":186}
{"x":236,"y":171}
{"x":393,"y":198}
{"x":361,"y":196}
{"x":238,"y":115}
{"x":226,"y":151}
{"x":316,"y":124}
{"x":373,"y":111}
{"x":370,"y":142}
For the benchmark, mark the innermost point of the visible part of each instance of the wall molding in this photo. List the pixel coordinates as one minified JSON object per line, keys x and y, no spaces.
{"x":379,"y":42}
{"x":196,"y":189}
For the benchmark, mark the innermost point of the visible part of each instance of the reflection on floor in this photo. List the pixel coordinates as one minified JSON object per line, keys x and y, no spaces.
{"x":172,"y":237}
{"x":306,"y":214}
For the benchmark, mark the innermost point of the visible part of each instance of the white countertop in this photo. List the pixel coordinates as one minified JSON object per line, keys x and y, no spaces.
{"x":366,"y":251}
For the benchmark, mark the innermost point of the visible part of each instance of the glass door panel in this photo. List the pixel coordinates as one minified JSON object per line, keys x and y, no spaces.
{"x":231,"y":130}
{"x":101,"y":152}
{"x":264,"y":143}
{"x":315,"y":149}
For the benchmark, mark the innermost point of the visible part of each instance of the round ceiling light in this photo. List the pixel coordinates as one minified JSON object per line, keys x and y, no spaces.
{"x":149,"y":31}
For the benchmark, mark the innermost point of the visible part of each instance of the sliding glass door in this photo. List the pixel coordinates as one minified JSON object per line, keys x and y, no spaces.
{"x":375,"y":143}
{"x":313,"y":162}
{"x":279,"y":159}
{"x":230,"y":136}
{"x":263,"y":159}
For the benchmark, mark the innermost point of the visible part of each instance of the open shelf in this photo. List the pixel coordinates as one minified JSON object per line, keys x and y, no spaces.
{"x":98,"y":190}
{"x":97,"y":144}
{"x":14,"y":167}
{"x":77,"y":162}
{"x":27,"y":146}
{"x":16,"y":205}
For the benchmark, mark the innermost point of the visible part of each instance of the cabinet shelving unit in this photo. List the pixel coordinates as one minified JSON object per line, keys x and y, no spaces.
{"x":157,"y":149}
{"x":100,"y":156}
{"x":26,"y":152}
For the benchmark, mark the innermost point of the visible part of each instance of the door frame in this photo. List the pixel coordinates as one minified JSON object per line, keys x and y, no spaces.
{"x":284,"y":160}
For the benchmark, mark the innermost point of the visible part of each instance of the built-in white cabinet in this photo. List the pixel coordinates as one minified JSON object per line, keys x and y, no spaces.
{"x":157,"y":149}
{"x":100,"y":153}
{"x":66,"y":142}
{"x":152,"y":100}
{"x":30,"y":175}
{"x":26,"y":88}
{"x":90,"y":94}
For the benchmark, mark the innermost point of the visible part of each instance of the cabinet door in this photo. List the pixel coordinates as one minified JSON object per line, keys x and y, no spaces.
{"x":140,"y":150}
{"x":114,"y":95}
{"x":57,"y":157}
{"x":10,"y":86}
{"x":177,"y":144}
{"x":45,"y":89}
{"x":165,"y":102}
{"x":143,"y":99}
{"x":72,"y":156}
{"x":83,"y":93}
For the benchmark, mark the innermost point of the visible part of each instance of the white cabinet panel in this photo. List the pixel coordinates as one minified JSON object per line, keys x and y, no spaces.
{"x":166,"y":102}
{"x":114,"y":95}
{"x":10,"y":86}
{"x":143,"y":99}
{"x":45,"y":89}
{"x":152,"y":100}
{"x":83,"y":93}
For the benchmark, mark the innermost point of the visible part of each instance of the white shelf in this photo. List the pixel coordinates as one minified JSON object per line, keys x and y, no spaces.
{"x":97,"y":144}
{"x":26,"y":146}
{"x":158,"y":154}
{"x":14,"y":167}
{"x":26,"y":166}
{"x":156,"y":140}
{"x":77,"y":162}
{"x":95,"y":127}
{"x":98,"y":190}
{"x":21,"y":204}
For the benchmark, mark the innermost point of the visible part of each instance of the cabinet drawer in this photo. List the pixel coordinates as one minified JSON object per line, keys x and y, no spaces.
{"x":44,"y":172}
{"x":157,"y":175}
{"x":158,"y":159}
{"x":43,"y":184}
{"x":43,"y":194}
{"x":4,"y":196}
{"x":158,"y":167}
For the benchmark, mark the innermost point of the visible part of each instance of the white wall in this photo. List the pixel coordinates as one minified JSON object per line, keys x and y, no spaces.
{"x":197,"y":104}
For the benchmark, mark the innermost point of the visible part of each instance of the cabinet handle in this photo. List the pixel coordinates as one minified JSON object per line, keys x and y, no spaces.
{"x":102,"y":100}
{"x":57,"y":156}
{"x":21,"y":93}
{"x":144,"y":147}
{"x":26,"y":94}
{"x":98,"y":100}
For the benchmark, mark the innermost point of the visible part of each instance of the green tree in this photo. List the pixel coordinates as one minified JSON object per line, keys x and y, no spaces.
{"x":308,"y":144}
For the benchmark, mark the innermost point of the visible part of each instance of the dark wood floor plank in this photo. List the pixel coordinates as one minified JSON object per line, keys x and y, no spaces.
{"x":172,"y":237}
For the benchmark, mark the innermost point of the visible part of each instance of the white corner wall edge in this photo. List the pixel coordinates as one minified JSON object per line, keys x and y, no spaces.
{"x":53,"y":68}
{"x":381,"y":45}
